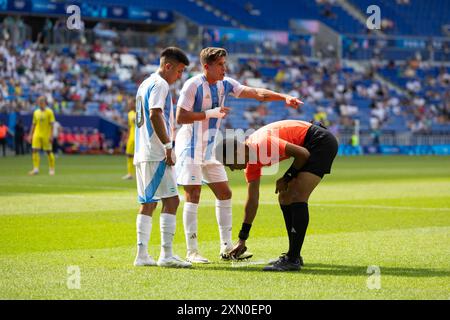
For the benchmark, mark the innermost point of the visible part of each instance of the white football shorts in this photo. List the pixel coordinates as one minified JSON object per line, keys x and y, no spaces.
{"x":196,"y":174}
{"x":155,"y":181}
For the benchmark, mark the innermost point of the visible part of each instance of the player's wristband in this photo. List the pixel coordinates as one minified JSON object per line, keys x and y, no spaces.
{"x":291,"y":173}
{"x":168,"y":145}
{"x":245,"y":231}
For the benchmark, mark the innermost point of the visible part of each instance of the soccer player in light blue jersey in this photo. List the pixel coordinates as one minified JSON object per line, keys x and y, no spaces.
{"x":200,"y":109}
{"x":154,"y":160}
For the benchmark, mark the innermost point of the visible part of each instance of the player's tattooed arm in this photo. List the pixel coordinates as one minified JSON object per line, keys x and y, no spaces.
{"x":259,"y":94}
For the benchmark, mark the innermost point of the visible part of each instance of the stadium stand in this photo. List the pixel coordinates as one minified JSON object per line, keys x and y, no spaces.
{"x":387,"y":93}
{"x":414,"y":17}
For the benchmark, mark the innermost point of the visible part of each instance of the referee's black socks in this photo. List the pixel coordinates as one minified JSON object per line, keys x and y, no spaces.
{"x":287,"y":215}
{"x":299,"y":224}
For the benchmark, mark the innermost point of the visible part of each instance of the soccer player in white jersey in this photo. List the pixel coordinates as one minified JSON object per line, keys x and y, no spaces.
{"x":154,"y":159}
{"x":200,"y":109}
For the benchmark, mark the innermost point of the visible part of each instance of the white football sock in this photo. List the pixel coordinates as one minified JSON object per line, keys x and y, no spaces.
{"x":167,"y":225}
{"x":190,"y":225}
{"x":143,"y":230}
{"x":224,"y":220}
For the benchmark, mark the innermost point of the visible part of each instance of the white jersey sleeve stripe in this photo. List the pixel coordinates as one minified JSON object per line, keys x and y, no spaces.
{"x":168,"y":114}
{"x":148,"y":123}
{"x":198,"y":104}
{"x":213,"y":123}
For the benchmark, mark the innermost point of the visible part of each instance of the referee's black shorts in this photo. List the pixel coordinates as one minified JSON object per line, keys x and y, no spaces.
{"x":323,"y":147}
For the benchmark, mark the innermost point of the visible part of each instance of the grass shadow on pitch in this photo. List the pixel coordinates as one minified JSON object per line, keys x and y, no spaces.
{"x":336,"y":270}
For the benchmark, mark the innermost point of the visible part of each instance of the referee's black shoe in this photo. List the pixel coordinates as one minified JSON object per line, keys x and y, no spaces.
{"x":284,"y":264}
{"x":271,"y":262}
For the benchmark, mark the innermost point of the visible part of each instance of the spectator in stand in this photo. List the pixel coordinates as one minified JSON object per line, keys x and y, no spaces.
{"x":95,"y":140}
{"x":19,"y":137}
{"x":72,"y":78}
{"x":83,"y":139}
{"x":321,"y":116}
{"x":57,"y":130}
{"x":3,"y":134}
{"x":71,"y":144}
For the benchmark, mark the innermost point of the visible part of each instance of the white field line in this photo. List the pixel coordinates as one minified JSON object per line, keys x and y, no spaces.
{"x":212,"y":203}
{"x":76,"y":186}
{"x":88,"y":209}
{"x":244,"y":264}
{"x":209,"y":202}
{"x":379,"y":207}
{"x":64,"y":195}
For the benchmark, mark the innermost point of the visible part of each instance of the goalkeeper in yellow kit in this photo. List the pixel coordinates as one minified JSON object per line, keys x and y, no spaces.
{"x":130,"y":142}
{"x":42,"y":135}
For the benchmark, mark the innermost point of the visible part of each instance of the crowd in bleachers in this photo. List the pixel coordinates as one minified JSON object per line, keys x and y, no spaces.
{"x":98,"y":79}
{"x":418,"y":17}
{"x":80,"y":140}
{"x":74,"y":80}
{"x":338,"y":95}
{"x":427,"y":93}
{"x":400,"y":17}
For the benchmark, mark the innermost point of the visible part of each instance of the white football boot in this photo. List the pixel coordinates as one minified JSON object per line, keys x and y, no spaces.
{"x":144,"y":261}
{"x":195,"y":257}
{"x":173,"y":262}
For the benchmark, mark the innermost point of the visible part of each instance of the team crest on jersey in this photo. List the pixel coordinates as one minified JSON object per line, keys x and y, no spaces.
{"x":139,"y":112}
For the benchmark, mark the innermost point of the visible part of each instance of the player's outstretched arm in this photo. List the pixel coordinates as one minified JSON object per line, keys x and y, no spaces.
{"x":264,"y":95}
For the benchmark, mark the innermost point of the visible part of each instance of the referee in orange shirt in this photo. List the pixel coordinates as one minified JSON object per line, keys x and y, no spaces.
{"x":313,"y":149}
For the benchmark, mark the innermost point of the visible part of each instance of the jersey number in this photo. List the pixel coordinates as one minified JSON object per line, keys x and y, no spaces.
{"x":139,"y":112}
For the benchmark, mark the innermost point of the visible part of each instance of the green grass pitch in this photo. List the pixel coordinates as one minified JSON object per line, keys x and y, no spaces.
{"x":389,"y":212}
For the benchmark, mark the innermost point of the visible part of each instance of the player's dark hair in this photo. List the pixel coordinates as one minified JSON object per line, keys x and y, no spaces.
{"x":174,"y":55}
